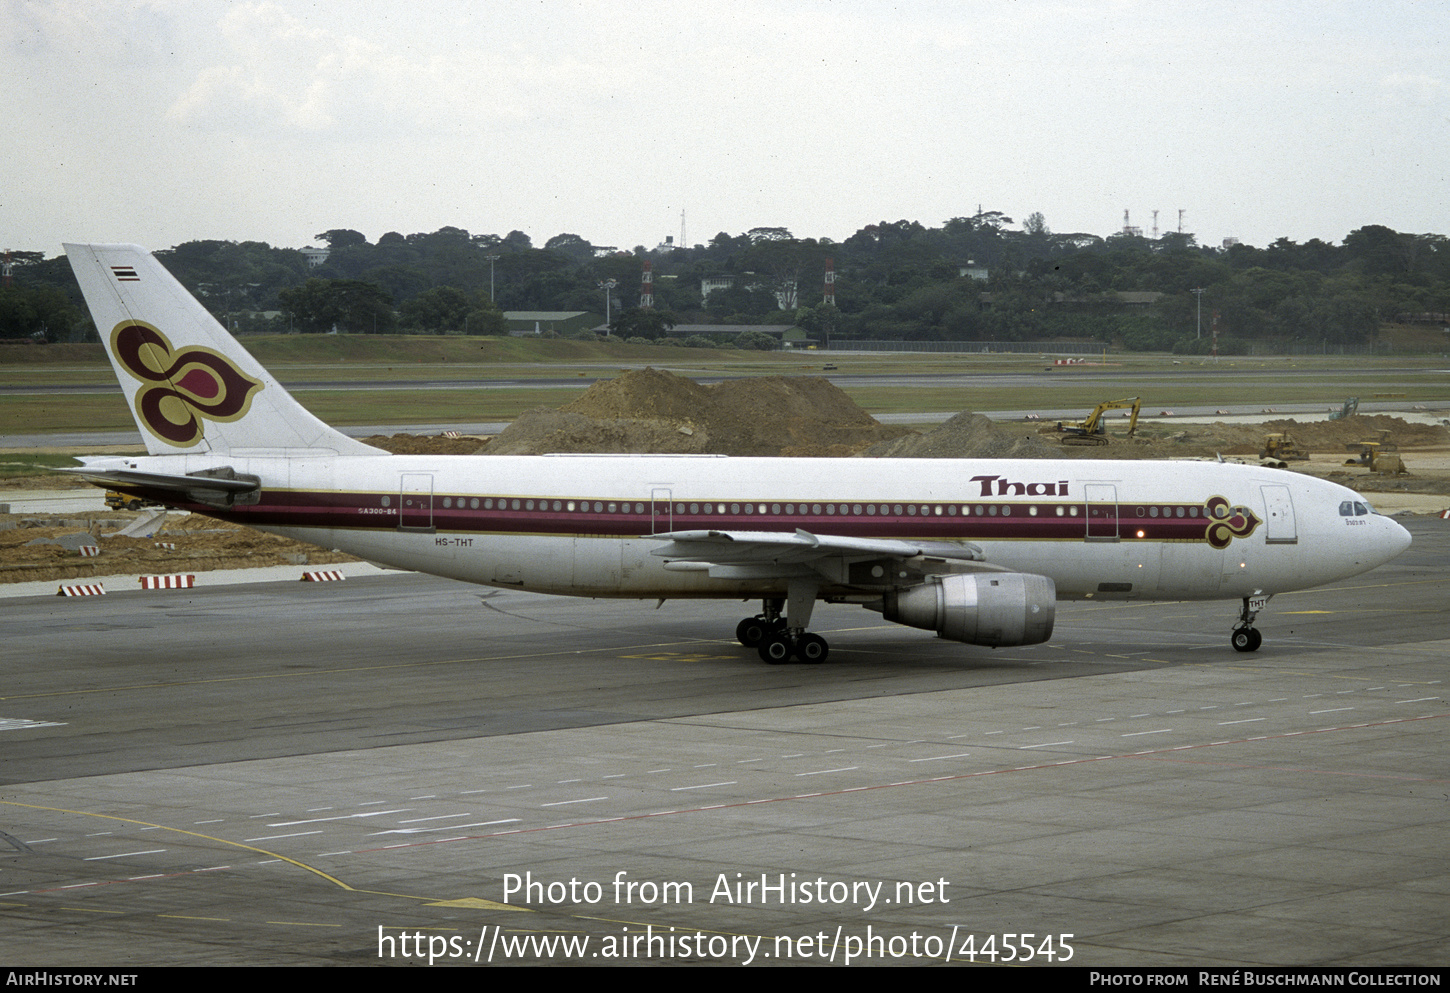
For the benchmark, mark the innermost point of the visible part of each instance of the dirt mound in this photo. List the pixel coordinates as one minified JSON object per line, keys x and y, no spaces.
{"x":1317,"y":437}
{"x":645,"y":394}
{"x":1334,"y":435}
{"x":423,"y":444}
{"x":965,"y":436}
{"x":545,"y":429}
{"x":655,"y":411}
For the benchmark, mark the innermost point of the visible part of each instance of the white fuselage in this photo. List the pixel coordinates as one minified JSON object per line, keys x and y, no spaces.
{"x":581,"y":525}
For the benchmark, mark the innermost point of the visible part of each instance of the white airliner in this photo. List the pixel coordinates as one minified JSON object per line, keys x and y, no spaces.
{"x":977,"y":550}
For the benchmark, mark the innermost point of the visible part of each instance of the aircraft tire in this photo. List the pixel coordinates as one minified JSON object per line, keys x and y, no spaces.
{"x":751,"y":632}
{"x":1247,"y":640}
{"x":812,"y":649}
{"x":776,"y":650}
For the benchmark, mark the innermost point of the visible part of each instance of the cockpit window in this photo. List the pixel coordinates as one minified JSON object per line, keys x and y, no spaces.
{"x":1354,"y":508}
{"x":1362,"y":508}
{"x":1346,"y":508}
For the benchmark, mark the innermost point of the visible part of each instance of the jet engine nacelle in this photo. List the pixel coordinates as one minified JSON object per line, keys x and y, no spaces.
{"x":998,"y":609}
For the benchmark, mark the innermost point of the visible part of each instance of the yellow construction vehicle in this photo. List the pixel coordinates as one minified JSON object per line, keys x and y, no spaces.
{"x":1094,"y":430}
{"x":1380,"y":441}
{"x":1377,"y":457}
{"x":125,"y":501}
{"x":1282,"y":446}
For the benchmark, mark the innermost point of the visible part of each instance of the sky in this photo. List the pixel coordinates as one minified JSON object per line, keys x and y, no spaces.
{"x":164,"y":121}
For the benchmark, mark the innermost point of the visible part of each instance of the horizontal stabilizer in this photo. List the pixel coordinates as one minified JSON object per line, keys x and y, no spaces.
{"x":221,"y":487}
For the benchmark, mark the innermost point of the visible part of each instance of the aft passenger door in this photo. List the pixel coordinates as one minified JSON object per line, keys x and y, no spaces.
{"x":415,"y":502}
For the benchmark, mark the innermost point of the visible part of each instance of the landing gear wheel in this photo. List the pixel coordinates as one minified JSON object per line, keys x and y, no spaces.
{"x":752,"y":631}
{"x":776,"y":649}
{"x":1247,"y":640}
{"x":811,"y":648}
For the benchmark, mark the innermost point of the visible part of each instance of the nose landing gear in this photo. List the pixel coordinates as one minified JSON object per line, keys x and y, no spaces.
{"x":1246,"y":637}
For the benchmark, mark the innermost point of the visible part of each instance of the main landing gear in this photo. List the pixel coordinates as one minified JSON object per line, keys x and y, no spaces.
{"x":780,"y":638}
{"x":1246,"y":637}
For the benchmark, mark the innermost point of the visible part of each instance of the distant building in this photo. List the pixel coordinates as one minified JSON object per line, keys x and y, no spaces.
{"x":522,"y":323}
{"x":785,"y":295}
{"x":316,"y":256}
{"x":710,"y":284}
{"x":973,"y":270}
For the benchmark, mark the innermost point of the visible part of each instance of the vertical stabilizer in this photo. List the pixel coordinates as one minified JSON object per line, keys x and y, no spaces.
{"x":191,"y":387}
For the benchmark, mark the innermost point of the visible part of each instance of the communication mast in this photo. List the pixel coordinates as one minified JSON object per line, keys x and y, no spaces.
{"x":647,"y":286}
{"x":829,"y":294}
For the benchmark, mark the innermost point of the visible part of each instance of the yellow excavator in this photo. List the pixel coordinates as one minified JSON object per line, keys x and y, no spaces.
{"x":1094,"y":430}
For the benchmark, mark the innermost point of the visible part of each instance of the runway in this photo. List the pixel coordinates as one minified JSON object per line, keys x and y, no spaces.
{"x":358,"y":772}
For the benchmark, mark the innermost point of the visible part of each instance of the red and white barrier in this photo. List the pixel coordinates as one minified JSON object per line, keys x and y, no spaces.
{"x":167,"y":582}
{"x":89,"y":551}
{"x":81,"y":589}
{"x":322,"y":576}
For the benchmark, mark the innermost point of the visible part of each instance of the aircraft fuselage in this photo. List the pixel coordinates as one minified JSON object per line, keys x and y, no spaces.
{"x":581,"y":524}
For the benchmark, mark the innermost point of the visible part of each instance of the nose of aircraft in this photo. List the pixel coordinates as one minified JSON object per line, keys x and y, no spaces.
{"x":1394,"y":539}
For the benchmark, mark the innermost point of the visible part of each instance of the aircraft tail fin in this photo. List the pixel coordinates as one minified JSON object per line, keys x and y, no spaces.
{"x":191,"y":387}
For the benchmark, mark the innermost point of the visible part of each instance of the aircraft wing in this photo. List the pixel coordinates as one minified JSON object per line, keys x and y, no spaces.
{"x":865,"y":562}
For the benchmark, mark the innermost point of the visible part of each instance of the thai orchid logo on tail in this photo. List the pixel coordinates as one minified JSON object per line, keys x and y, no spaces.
{"x":181,"y":388}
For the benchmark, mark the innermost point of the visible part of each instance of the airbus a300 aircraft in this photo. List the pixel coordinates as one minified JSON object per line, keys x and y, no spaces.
{"x":977,"y":550}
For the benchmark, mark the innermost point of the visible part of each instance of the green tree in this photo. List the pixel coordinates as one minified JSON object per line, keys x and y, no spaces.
{"x":341,"y":238}
{"x":443,"y":308}
{"x":347,"y":305}
{"x":40,"y":310}
{"x":758,"y":340}
{"x":570,"y":246}
{"x":485,"y":318}
{"x":634,"y":322}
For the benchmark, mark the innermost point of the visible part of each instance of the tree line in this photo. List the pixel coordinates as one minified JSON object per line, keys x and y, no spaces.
{"x":978,"y":278}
